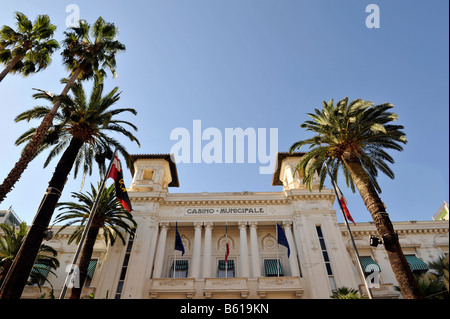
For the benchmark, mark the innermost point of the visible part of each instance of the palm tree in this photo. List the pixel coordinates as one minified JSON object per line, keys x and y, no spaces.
{"x":83,"y":125}
{"x":76,"y":117}
{"x":347,"y":293}
{"x":27,"y":50}
{"x":10,"y":242}
{"x":83,"y":57}
{"x":433,"y":284}
{"x":109,"y":217}
{"x":440,"y":267}
{"x":352,"y":138}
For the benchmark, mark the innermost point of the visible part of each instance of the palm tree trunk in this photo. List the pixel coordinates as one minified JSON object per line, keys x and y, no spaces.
{"x":405,"y":277}
{"x":10,"y":66}
{"x":85,"y":258}
{"x":30,"y":151}
{"x":18,"y":274}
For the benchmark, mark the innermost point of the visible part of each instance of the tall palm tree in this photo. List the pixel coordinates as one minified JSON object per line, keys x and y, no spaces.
{"x":27,"y":50}
{"x":353,"y":137}
{"x":440,"y":267}
{"x":83,"y":57}
{"x":81,"y":116}
{"x":109,"y":217}
{"x":82,"y":125}
{"x":10,"y":242}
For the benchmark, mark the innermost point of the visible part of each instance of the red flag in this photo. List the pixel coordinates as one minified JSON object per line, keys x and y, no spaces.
{"x":344,"y":204}
{"x":121,"y":191}
{"x":341,"y":199}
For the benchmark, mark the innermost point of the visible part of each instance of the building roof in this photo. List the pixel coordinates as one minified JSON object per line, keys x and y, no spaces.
{"x":167,"y":157}
{"x":280,"y":156}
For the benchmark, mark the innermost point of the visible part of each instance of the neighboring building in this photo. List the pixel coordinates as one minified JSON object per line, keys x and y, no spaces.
{"x":9,"y":217}
{"x":442,"y":213}
{"x":321,"y":255}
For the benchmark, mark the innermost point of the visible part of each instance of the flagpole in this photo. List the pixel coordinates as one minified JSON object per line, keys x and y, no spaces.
{"x":86,"y":228}
{"x":361,"y":270}
{"x":278,"y":262}
{"x":174,"y":262}
{"x":226,"y":242}
{"x":175,"y":251}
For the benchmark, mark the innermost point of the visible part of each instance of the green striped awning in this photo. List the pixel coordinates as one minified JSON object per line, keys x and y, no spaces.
{"x":230,"y":265}
{"x":415,"y":263}
{"x":273,"y":267}
{"x":181,"y":268}
{"x":42,"y":269}
{"x":369,"y":264}
{"x":181,"y":265}
{"x":91,"y":268}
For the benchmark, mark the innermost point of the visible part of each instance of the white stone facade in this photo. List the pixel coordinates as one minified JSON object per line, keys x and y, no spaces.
{"x":142,"y":268}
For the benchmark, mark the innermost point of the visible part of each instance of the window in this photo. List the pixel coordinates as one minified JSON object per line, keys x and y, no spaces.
{"x":226,"y":270}
{"x":417,"y":265}
{"x":90,"y":272}
{"x":124,"y":268}
{"x":326,"y":259}
{"x":181,"y":269}
{"x":39,"y":274}
{"x":273,"y":268}
{"x":370,"y":267}
{"x":148,"y":174}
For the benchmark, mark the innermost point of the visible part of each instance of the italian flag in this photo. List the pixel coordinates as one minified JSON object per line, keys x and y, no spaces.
{"x":343,"y":201}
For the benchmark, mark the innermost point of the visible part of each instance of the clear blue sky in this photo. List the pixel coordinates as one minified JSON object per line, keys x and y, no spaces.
{"x":258,"y":64}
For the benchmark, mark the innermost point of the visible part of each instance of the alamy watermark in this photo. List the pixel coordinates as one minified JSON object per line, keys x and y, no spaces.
{"x":373,"y":279}
{"x":73,"y":19}
{"x":228,"y":147}
{"x":373,"y":19}
{"x":73,"y":279}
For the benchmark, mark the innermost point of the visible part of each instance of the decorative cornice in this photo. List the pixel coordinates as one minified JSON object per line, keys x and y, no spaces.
{"x":167,"y":201}
{"x":416,"y":231}
{"x":213,"y":202}
{"x":312,"y":197}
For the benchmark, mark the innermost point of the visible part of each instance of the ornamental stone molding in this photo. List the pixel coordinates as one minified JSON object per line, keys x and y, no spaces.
{"x":268,"y":242}
{"x":167,"y":201}
{"x":221,"y":243}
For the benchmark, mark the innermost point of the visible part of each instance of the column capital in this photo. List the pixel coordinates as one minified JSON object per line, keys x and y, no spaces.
{"x":287,"y":223}
{"x":242,"y":224}
{"x":253,"y":224}
{"x":164,"y":224}
{"x":208,"y":224}
{"x":198,"y":224}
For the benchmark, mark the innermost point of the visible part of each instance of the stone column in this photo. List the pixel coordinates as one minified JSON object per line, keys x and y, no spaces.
{"x":298,"y":242}
{"x":293,"y":261}
{"x":159,"y":258}
{"x":244,"y":249}
{"x":207,"y":250}
{"x":195,"y":270}
{"x":256,"y":267}
{"x":151,"y":257}
{"x":134,"y":285}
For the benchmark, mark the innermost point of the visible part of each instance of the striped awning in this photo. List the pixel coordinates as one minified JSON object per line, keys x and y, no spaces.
{"x":181,"y":269}
{"x":91,"y":268}
{"x":181,"y":265}
{"x":369,"y":264}
{"x":416,"y":263}
{"x":229,"y":265}
{"x":273,"y":267}
{"x":42,"y":269}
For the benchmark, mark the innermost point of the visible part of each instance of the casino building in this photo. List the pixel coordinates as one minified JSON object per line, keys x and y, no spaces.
{"x":321,"y":257}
